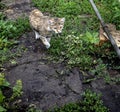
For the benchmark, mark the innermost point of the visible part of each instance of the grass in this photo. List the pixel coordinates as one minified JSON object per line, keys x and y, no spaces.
{"x":6,"y":99}
{"x":72,"y":47}
{"x":91,"y":102}
{"x":2,"y":6}
{"x":10,"y":31}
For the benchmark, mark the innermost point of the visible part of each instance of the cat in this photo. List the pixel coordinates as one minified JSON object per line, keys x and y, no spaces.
{"x":45,"y":26}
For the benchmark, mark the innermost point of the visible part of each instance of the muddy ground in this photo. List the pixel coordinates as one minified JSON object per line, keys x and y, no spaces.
{"x":45,"y":83}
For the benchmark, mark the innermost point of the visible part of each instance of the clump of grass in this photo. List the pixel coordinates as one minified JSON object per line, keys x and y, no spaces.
{"x":76,"y":50}
{"x":2,"y":16}
{"x":9,"y":33}
{"x":91,"y":102}
{"x":2,"y":6}
{"x":13,"y":92}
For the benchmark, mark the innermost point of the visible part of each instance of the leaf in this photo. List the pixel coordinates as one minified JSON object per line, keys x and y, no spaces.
{"x":1,"y":97}
{"x":2,"y":109}
{"x":17,"y":89}
{"x":3,"y":81}
{"x":13,"y":62}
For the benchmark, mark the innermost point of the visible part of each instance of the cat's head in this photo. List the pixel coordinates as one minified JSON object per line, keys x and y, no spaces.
{"x":56,"y":24}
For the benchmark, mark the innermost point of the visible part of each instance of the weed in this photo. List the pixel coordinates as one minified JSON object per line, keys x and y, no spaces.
{"x":2,"y":6}
{"x":73,"y":49}
{"x":9,"y":33}
{"x":7,"y":99}
{"x":100,"y":69}
{"x":17,"y":90}
{"x":2,"y":16}
{"x":91,"y":103}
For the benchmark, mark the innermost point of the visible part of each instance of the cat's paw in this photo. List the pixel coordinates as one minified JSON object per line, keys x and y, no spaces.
{"x":48,"y":46}
{"x":37,"y":37}
{"x":48,"y":39}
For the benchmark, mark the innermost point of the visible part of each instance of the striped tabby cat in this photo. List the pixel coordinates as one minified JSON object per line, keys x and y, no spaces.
{"x":44,"y":26}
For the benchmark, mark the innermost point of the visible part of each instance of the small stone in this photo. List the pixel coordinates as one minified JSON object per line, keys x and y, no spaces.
{"x":9,"y":11}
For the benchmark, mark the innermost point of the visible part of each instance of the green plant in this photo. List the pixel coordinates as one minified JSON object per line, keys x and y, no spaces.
{"x":17,"y":90}
{"x":9,"y":31}
{"x":7,"y":99}
{"x":2,"y":6}
{"x":76,"y":50}
{"x":114,"y":8}
{"x":9,"y":34}
{"x":69,"y":9}
{"x":100,"y":69}
{"x":2,"y":16}
{"x":32,"y":108}
{"x":91,"y":102}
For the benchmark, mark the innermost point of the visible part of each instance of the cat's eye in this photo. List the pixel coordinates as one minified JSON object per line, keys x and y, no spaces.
{"x":55,"y":27}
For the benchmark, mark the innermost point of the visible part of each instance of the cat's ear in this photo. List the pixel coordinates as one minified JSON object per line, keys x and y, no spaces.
{"x":63,"y":20}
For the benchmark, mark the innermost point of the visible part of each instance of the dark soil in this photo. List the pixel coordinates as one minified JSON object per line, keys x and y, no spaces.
{"x":45,"y":83}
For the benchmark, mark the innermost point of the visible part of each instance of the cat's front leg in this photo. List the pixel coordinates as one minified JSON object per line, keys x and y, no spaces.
{"x":37,"y":36}
{"x":45,"y":41}
{"x":48,"y":39}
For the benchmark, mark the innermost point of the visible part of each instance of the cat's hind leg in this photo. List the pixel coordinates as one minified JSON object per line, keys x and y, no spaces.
{"x":37,"y":36}
{"x":45,"y":41}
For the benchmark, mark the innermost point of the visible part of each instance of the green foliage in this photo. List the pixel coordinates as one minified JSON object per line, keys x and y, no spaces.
{"x":9,"y":33}
{"x":76,"y":50}
{"x":17,"y":89}
{"x":5,"y":103}
{"x":2,"y":6}
{"x":1,"y":97}
{"x":22,"y":25}
{"x":10,"y":30}
{"x":115,"y":15}
{"x":91,"y":103}
{"x":100,"y":69}
{"x":68,"y":9}
{"x":33,"y":108}
{"x":3,"y":81}
{"x":2,"y":109}
{"x":2,"y":16}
